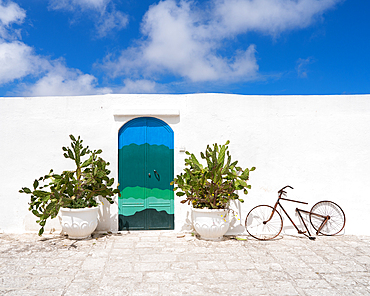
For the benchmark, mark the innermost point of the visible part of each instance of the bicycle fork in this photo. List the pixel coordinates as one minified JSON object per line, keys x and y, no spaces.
{"x":326,"y":219}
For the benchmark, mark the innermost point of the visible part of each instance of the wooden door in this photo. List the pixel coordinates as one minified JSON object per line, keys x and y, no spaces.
{"x":145,"y":171}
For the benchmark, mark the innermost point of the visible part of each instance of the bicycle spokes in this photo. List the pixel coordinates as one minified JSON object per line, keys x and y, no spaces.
{"x":327,"y":218}
{"x":260,"y":226}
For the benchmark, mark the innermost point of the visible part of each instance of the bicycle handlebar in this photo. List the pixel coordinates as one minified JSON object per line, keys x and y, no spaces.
{"x":282,"y":189}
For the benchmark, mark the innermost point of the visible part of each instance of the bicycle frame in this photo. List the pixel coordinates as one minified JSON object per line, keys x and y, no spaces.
{"x":281,"y":193}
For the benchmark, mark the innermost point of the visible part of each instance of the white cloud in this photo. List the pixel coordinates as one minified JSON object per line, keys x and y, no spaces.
{"x":17,"y":60}
{"x":110,"y":21}
{"x":61,"y":81}
{"x":183,"y":41}
{"x":10,"y":13}
{"x":172,"y":42}
{"x":245,"y":64}
{"x":138,"y":86}
{"x":178,"y":44}
{"x":102,"y":12}
{"x":267,"y":16}
{"x":302,"y":66}
{"x":74,"y":4}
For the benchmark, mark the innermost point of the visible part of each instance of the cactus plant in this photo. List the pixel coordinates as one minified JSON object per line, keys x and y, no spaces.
{"x":71,"y":189}
{"x":214,"y":184}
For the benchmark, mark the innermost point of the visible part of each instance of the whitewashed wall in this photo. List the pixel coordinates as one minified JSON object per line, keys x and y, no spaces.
{"x":317,"y":144}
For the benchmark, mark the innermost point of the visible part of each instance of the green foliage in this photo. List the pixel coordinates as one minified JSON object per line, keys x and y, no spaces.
{"x":214,"y":185}
{"x":72,"y":189}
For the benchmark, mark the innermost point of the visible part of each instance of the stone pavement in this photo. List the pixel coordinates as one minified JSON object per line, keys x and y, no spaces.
{"x":167,"y":263}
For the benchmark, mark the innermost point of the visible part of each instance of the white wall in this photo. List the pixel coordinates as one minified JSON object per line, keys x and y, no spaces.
{"x":317,"y":144}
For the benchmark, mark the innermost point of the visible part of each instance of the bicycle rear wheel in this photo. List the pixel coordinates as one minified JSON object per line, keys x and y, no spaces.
{"x":336,"y":221}
{"x":256,"y":226}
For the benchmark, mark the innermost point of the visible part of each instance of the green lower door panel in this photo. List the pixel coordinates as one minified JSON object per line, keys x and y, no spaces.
{"x":160,"y":213}
{"x":134,"y":222}
{"x":146,"y":220}
{"x":159,"y":219}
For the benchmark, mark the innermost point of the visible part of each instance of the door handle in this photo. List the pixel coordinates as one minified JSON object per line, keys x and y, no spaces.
{"x":157,"y":175}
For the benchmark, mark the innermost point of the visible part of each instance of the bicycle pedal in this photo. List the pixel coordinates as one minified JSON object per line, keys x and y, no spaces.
{"x":312,"y":237}
{"x":301,"y":232}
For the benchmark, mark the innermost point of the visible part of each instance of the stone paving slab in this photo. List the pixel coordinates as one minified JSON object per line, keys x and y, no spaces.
{"x":168,"y":263}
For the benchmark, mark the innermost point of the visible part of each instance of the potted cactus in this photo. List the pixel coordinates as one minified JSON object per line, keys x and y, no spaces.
{"x":209,"y":188}
{"x":73,"y":194}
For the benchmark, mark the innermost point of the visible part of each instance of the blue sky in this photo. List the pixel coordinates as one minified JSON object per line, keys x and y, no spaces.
{"x":278,"y":47}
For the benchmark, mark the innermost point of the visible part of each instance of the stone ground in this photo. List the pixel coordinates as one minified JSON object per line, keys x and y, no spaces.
{"x":167,"y":263}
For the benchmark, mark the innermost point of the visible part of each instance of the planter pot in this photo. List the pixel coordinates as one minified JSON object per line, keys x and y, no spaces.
{"x":78,"y":223}
{"x":210,"y":224}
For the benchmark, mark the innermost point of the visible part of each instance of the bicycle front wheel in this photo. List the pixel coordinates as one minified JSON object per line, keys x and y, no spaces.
{"x":336,"y":221}
{"x":256,"y":224}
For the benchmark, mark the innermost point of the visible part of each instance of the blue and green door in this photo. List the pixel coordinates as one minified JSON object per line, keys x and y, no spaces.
{"x":145,"y":160}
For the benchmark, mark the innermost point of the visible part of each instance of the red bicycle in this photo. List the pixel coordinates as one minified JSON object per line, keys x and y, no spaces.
{"x":264,"y":222}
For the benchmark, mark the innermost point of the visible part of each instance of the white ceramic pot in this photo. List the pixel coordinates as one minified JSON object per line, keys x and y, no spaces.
{"x":210,"y":224}
{"x":78,"y":223}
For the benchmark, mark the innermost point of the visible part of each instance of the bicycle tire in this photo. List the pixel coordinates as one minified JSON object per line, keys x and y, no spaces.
{"x":263,"y":231}
{"x":337,"y":219}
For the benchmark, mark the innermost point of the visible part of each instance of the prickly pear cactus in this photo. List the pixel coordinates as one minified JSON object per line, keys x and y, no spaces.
{"x":214,"y":184}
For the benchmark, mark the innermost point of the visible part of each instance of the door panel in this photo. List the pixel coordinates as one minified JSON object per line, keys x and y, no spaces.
{"x":145,"y":172}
